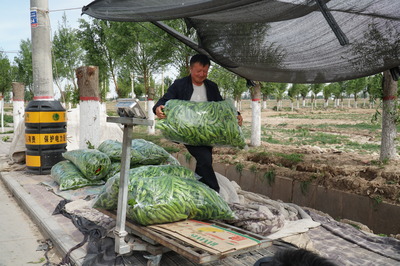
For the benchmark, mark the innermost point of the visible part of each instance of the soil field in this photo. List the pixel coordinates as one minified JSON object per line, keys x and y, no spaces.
{"x":333,"y":147}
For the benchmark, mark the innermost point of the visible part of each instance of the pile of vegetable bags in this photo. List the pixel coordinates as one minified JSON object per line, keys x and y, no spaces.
{"x":164,"y":193}
{"x":91,"y":167}
{"x":202,"y":123}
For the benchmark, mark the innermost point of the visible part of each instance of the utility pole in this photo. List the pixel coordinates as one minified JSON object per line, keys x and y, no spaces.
{"x":45,"y":119}
{"x":41,"y":51}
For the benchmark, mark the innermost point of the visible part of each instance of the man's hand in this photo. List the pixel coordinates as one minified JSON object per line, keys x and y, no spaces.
{"x":159,"y":112}
{"x":240,"y":120}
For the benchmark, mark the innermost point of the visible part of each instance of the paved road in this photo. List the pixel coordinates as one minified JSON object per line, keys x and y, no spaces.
{"x":19,"y":236}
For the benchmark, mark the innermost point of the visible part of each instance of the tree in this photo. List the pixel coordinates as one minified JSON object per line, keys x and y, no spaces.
{"x":68,"y":56}
{"x":229,"y":83}
{"x":327,"y":92}
{"x":389,"y":117}
{"x":374,"y":88}
{"x":292,"y":93}
{"x":355,"y":86}
{"x":181,"y":52}
{"x":23,"y":62}
{"x":304,"y":90}
{"x":103,"y":49}
{"x":267,"y":88}
{"x":315,"y":89}
{"x":280,"y":89}
{"x":5,"y":74}
{"x":255,"y":92}
{"x":336,"y":92}
{"x":151,"y":52}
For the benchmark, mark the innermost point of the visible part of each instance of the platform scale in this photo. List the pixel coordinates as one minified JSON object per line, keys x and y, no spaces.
{"x":133,"y":237}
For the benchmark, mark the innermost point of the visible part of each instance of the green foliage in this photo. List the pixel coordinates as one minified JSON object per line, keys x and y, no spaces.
{"x":23,"y":62}
{"x":5,"y":74}
{"x":253,"y":168}
{"x":377,"y":200}
{"x":270,"y":177}
{"x":228,"y":83}
{"x":188,"y":157}
{"x":67,"y":57}
{"x":239,"y":167}
{"x":304,"y":186}
{"x":90,"y":145}
{"x":8,"y":118}
{"x":293,"y":157}
{"x":181,"y":53}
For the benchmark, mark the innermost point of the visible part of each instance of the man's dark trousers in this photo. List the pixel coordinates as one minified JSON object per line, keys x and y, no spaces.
{"x":204,"y":168}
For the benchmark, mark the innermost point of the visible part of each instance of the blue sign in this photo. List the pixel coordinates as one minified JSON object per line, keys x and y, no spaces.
{"x":34,"y":20}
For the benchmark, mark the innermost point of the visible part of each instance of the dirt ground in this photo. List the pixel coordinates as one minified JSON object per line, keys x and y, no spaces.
{"x":351,"y":171}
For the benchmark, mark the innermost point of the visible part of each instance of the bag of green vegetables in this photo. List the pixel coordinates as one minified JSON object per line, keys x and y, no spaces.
{"x":93,"y":164}
{"x":108,"y":198}
{"x":167,"y":199}
{"x":68,"y":176}
{"x":202,"y":123}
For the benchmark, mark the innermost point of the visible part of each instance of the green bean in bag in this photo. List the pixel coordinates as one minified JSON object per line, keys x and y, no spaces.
{"x":68,"y":176}
{"x":93,"y":164}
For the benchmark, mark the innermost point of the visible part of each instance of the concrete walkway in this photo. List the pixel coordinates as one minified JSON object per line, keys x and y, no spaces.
{"x":38,"y":203}
{"x":19,"y":236}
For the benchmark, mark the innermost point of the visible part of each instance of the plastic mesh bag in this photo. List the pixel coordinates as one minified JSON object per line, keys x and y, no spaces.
{"x":202,"y":123}
{"x":68,"y":176}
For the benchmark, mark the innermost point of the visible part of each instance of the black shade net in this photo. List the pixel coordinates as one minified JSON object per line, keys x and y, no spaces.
{"x":293,"y":41}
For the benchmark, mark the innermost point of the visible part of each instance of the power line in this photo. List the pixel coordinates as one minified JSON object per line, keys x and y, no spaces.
{"x":57,"y":10}
{"x":9,"y":52}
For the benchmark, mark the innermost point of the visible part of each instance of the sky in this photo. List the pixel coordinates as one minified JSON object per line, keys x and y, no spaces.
{"x":15,"y":23}
{"x":15,"y":20}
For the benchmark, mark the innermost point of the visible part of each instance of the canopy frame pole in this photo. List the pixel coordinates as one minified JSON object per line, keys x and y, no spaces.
{"x":342,"y":38}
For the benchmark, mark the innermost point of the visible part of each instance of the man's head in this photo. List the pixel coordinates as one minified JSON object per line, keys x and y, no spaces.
{"x":199,"y":65}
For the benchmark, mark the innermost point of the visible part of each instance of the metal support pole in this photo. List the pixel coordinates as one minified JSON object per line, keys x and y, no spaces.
{"x":121,"y":246}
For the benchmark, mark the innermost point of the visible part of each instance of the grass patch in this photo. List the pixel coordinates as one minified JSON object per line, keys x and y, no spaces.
{"x":271,"y":140}
{"x":8,"y":118}
{"x":270,"y":177}
{"x":239,"y":167}
{"x":293,"y":157}
{"x":7,"y":132}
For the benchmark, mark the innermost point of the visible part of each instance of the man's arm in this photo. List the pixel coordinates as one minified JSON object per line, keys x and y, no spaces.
{"x":170,"y":94}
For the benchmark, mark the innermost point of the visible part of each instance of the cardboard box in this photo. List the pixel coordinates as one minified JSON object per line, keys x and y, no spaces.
{"x":207,"y":236}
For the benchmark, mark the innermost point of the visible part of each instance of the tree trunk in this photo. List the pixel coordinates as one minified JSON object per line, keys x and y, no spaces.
{"x":264,"y":103}
{"x":389,"y":115}
{"x":89,"y":106}
{"x":256,"y":115}
{"x":2,"y":111}
{"x":150,"y":103}
{"x":18,"y":89}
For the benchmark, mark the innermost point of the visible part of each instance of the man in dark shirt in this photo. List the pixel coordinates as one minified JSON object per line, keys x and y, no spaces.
{"x":196,"y":87}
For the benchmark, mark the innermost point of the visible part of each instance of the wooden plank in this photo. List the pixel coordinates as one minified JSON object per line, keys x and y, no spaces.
{"x":188,"y":250}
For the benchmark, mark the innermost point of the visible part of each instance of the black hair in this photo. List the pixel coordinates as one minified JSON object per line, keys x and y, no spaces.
{"x":200,"y":58}
{"x":294,"y":257}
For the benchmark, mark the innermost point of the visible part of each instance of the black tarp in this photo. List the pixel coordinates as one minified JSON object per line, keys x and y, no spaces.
{"x":293,"y":41}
